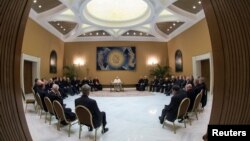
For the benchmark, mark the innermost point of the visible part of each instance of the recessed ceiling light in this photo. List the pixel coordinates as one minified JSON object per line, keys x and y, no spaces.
{"x":199,"y":2}
{"x":103,"y":33}
{"x":134,"y":33}
{"x":61,"y":26}
{"x":167,"y":29}
{"x":64,"y":29}
{"x":97,"y":33}
{"x":141,"y":34}
{"x":34,"y":1}
{"x":40,"y":6}
{"x":127,"y":33}
{"x":194,"y":7}
{"x":173,"y":24}
{"x":58,"y":24}
{"x":170,"y":26}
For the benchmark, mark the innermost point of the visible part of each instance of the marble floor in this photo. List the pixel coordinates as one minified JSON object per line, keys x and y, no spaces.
{"x":129,"y":119}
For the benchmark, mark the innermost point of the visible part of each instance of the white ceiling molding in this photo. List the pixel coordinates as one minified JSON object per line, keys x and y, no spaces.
{"x":145,"y":23}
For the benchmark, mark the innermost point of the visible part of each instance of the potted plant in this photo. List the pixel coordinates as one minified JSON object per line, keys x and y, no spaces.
{"x":160,"y":71}
{"x":69,"y":71}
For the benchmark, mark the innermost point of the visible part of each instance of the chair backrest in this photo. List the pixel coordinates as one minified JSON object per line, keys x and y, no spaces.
{"x":49,"y":105}
{"x":197,"y":101}
{"x":39,"y":101}
{"x":59,"y":110}
{"x":84,"y":116}
{"x":183,"y":108}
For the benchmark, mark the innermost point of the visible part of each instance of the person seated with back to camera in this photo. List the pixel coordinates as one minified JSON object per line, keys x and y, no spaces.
{"x":98,"y":117}
{"x":55,"y":94}
{"x":171,"y":110}
{"x":117,"y":84}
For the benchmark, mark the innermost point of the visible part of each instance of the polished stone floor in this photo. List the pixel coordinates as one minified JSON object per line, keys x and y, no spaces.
{"x":129,"y":119}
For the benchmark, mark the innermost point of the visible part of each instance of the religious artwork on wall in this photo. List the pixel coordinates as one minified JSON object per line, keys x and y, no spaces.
{"x":178,"y":61}
{"x":53,"y":62}
{"x":116,"y":58}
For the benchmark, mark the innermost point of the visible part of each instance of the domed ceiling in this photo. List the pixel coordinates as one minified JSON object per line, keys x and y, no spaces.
{"x":116,"y":20}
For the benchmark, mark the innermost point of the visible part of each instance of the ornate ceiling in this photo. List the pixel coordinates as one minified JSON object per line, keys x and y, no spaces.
{"x":116,"y":20}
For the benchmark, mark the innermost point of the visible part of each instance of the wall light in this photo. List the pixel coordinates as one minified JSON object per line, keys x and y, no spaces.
{"x":152,"y":61}
{"x":79,"y":62}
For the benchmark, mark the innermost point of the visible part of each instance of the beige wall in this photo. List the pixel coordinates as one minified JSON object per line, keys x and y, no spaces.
{"x":193,"y":42}
{"x":39,"y":42}
{"x":87,"y":51}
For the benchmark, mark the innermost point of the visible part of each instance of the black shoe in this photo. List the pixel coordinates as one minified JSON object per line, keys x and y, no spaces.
{"x":104,"y":130}
{"x":64,"y":123}
{"x":161,"y":120}
{"x":90,"y":129}
{"x":181,"y":120}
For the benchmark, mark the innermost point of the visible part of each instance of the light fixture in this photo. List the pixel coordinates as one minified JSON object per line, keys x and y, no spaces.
{"x":34,"y":1}
{"x":167,"y":29}
{"x":134,"y":33}
{"x":199,"y":2}
{"x":152,"y":61}
{"x":141,"y":34}
{"x":103,"y":33}
{"x":79,"y":61}
{"x":58,"y":24}
{"x":61,"y":26}
{"x":194,"y":7}
{"x":127,"y":33}
{"x":40,"y":6}
{"x":170,"y":27}
{"x":97,"y":33}
{"x":64,"y":29}
{"x":173,"y":24}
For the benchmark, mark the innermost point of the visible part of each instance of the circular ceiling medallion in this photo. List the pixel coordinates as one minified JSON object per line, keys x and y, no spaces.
{"x":116,"y":13}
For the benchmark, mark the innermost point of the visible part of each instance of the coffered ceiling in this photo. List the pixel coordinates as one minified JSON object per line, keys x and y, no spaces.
{"x":116,"y":20}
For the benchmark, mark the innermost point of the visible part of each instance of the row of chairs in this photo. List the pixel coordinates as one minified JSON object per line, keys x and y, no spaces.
{"x":84,"y":116}
{"x":183,"y":110}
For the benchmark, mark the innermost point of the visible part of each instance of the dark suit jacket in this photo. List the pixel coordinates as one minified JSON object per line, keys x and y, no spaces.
{"x":172,"y":108}
{"x":93,"y":108}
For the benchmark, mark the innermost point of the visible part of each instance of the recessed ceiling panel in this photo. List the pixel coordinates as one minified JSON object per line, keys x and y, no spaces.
{"x":43,"y":5}
{"x":137,"y":33}
{"x":168,"y":27}
{"x":95,"y":33}
{"x":192,"y":6}
{"x":62,"y":26}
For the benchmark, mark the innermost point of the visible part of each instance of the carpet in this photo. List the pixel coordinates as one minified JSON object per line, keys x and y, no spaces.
{"x":126,"y":93}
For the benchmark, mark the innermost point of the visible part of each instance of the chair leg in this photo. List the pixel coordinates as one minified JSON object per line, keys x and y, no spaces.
{"x":174,"y":128}
{"x":26,"y":107}
{"x":184,"y":122}
{"x":50,"y":119}
{"x":41,"y":113}
{"x":80,"y":130}
{"x":58,"y":125}
{"x":196,"y":115}
{"x":69,"y":129}
{"x":95,"y":133}
{"x":46,"y":116}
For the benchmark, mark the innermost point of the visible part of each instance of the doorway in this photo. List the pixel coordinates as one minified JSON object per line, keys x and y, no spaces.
{"x":203,"y":66}
{"x":30,"y":69}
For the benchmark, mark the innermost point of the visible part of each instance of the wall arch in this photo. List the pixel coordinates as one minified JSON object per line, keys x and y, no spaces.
{"x":229,"y":30}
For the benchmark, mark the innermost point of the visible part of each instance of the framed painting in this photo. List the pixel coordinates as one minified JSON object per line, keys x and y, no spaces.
{"x":116,"y":58}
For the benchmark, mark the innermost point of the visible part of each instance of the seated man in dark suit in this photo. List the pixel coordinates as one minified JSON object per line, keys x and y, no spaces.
{"x":171,"y":110}
{"x":97,"y":85}
{"x":98,"y":116}
{"x":54,"y":94}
